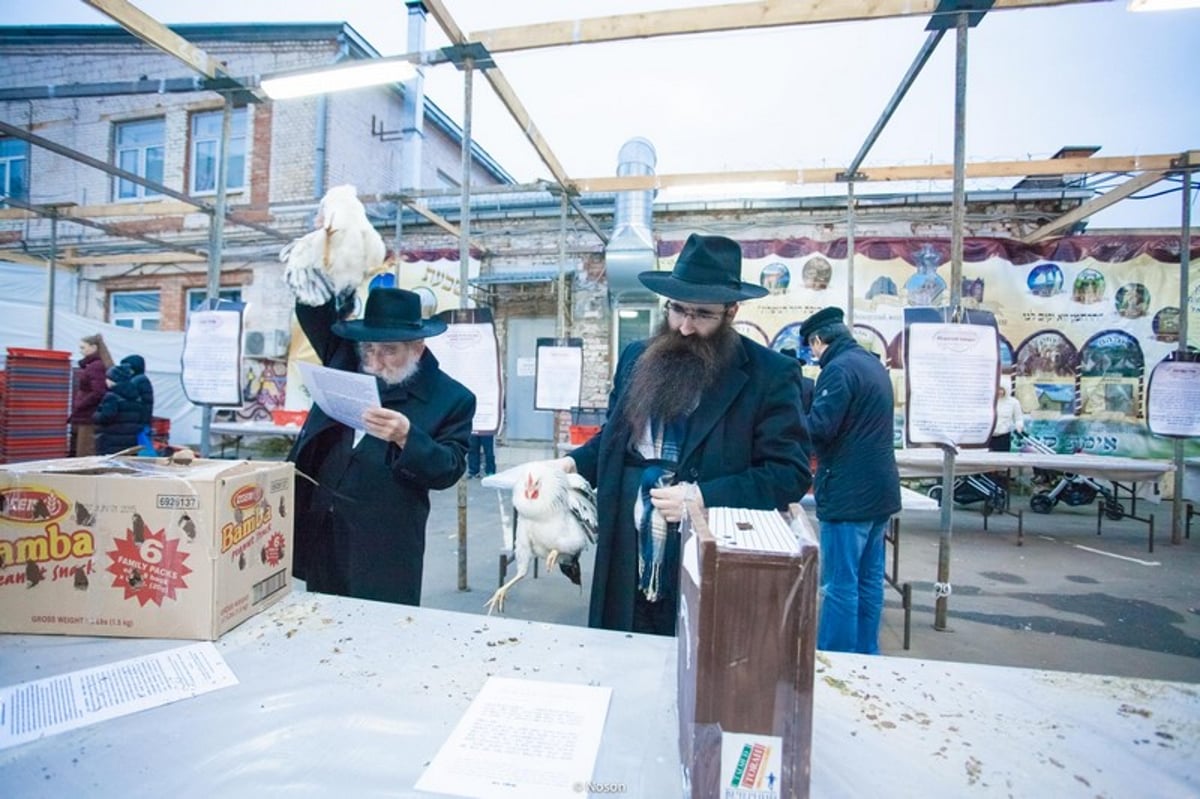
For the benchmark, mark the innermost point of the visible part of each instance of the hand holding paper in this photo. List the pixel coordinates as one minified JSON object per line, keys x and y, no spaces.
{"x":344,"y":396}
{"x":387,"y":424}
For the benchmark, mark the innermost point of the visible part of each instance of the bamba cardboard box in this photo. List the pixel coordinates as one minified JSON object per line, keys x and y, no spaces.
{"x":142,"y":546}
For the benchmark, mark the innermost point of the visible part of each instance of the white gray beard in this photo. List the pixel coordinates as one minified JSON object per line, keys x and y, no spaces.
{"x":396,"y":377}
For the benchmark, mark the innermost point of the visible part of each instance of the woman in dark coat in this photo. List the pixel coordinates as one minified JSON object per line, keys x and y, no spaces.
{"x":360,"y":531}
{"x":88,"y":390}
{"x":119,"y":417}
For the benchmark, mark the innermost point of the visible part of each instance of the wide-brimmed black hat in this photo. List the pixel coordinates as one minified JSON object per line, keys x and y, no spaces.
{"x":709,"y":270}
{"x":825,"y":316}
{"x":390,"y":315}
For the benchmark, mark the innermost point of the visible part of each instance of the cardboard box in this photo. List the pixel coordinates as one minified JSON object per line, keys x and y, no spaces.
{"x":747,"y":640}
{"x":142,"y":546}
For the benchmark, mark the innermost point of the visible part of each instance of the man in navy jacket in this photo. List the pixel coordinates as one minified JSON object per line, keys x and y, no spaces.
{"x":858,"y":486}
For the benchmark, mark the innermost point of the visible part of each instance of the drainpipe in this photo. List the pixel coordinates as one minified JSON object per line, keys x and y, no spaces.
{"x":412,"y":122}
{"x":323,"y":127}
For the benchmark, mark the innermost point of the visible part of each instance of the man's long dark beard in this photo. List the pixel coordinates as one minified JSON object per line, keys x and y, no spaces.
{"x":673,"y":372}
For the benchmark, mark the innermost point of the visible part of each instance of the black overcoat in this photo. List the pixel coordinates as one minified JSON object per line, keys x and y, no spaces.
{"x":363,"y":533}
{"x":745,"y":447}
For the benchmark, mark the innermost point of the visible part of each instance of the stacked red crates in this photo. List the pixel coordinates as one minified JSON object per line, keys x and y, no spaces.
{"x":35,"y":399}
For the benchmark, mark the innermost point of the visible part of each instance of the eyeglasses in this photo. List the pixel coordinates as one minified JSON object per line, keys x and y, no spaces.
{"x":366,"y":348}
{"x":697,"y":315}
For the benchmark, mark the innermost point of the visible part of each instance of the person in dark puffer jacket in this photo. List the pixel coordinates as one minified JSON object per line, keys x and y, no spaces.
{"x":137,"y":365}
{"x":119,"y":417}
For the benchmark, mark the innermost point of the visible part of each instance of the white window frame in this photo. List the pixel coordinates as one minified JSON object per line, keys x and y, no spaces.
{"x":6,"y":173}
{"x":235,"y":181}
{"x":231,"y":293}
{"x":141,"y":153}
{"x":135,"y":320}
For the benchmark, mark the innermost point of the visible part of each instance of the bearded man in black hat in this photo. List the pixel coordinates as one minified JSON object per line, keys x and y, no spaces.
{"x":696,"y":411}
{"x":360,"y":529}
{"x":858,"y":485}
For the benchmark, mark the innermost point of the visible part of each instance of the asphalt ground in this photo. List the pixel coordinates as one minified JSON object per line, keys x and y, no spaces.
{"x":1066,"y":599}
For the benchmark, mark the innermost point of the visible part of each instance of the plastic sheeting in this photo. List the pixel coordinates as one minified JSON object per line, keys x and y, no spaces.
{"x":23,"y":324}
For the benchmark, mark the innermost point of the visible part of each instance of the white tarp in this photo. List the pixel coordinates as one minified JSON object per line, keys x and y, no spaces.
{"x":23,"y":324}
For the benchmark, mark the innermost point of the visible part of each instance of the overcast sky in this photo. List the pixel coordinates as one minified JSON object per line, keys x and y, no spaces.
{"x":801,"y":97}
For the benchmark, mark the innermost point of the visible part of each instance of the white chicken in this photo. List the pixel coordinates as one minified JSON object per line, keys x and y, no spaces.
{"x":556,"y":520}
{"x":333,"y":260}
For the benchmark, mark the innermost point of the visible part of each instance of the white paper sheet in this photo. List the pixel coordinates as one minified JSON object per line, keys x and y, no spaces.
{"x":522,"y":738}
{"x":951,"y":372}
{"x":211,"y":360}
{"x":342,"y":395}
{"x":559,"y":377}
{"x":35,"y":709}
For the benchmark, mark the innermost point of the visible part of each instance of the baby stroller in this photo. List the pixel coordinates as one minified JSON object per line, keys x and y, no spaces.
{"x":973,"y":488}
{"x":1072,"y":489}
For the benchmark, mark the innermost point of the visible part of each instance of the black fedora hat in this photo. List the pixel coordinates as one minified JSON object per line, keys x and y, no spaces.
{"x":709,"y":270}
{"x":825,"y":316}
{"x":390,"y":315}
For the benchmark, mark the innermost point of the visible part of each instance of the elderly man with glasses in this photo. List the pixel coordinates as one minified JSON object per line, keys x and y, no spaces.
{"x":361,"y":512}
{"x":696,"y":411}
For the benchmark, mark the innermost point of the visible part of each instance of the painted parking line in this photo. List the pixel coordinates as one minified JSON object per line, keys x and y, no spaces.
{"x":1119,"y":557}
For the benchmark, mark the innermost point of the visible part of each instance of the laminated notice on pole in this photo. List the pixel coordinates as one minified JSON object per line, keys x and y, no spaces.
{"x":212,"y":356}
{"x":1173,"y":399}
{"x":951,"y":372}
{"x":558,"y":383}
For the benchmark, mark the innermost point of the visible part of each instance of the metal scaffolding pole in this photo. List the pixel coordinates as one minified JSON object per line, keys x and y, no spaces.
{"x":50,"y":280}
{"x":464,"y":274}
{"x":1185,"y":274}
{"x":216,"y":244}
{"x":958,"y":216}
{"x":850,"y":253}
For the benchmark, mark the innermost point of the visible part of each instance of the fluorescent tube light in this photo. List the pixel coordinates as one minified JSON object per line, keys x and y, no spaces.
{"x":338,"y":78}
{"x":1162,"y":5}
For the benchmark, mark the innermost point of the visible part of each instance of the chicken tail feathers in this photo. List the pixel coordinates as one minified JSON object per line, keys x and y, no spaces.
{"x":302,"y":272}
{"x":570,"y":567}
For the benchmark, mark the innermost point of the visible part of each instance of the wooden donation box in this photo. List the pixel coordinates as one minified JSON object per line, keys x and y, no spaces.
{"x":747,"y":634}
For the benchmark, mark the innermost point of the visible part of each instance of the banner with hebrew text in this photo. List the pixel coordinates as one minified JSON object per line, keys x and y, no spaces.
{"x":1083,"y":320}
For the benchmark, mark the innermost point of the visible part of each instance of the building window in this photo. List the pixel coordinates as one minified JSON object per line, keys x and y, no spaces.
{"x":196,"y":297}
{"x":14,"y":170}
{"x":635,"y":322}
{"x":206,"y":149}
{"x":136,"y":310}
{"x":139,"y":149}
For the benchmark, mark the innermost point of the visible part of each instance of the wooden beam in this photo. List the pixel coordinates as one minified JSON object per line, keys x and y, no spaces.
{"x":441,"y":222}
{"x":1092,"y":206}
{"x":135,"y":258}
{"x":150,"y":30}
{"x":985,"y":169}
{"x":732,"y":16}
{"x":154,"y":208}
{"x":18,"y":257}
{"x":509,"y":97}
{"x":517,"y":110}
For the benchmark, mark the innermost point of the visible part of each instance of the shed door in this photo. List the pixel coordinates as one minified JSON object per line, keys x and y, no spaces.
{"x":522,"y":422}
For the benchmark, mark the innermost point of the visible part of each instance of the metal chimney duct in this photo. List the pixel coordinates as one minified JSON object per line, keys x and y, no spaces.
{"x":413,"y":115}
{"x":631,"y":248}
